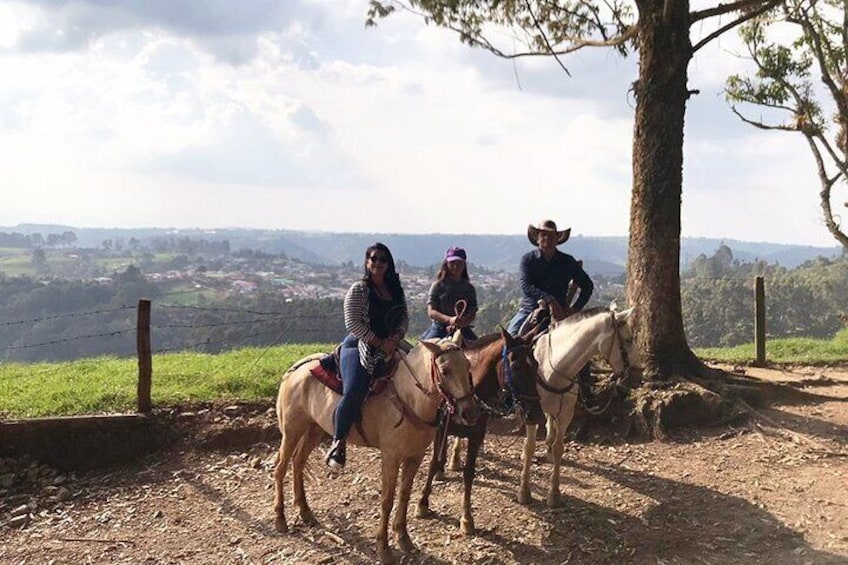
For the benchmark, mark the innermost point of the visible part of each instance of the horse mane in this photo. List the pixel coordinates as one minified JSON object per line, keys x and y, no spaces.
{"x":588,"y":313}
{"x":482,"y":341}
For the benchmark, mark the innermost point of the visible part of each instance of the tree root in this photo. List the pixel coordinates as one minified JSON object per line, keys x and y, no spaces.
{"x":696,"y":395}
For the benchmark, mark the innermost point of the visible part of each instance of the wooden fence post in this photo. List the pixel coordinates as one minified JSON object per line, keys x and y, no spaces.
{"x":760,"y":321}
{"x":145,"y":359}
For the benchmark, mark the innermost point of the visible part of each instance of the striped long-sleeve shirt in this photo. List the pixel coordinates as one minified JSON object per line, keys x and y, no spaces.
{"x":358,"y":323}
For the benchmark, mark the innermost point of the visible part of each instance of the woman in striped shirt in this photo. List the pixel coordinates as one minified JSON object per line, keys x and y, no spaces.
{"x":376,"y":316}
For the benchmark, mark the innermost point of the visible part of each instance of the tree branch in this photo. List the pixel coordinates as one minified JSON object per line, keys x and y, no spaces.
{"x":827,"y":184}
{"x":815,"y":42}
{"x":538,"y":27}
{"x":576,"y":44}
{"x":724,"y":9}
{"x":741,"y":20}
{"x":761,"y":125}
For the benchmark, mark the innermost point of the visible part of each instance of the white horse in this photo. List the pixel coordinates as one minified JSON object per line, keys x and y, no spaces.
{"x":561,"y":353}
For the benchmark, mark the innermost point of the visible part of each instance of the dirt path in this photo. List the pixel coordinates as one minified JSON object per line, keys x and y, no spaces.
{"x":775,"y":492}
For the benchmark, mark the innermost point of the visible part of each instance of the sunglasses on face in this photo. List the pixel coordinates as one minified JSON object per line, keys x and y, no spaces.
{"x":378,"y":259}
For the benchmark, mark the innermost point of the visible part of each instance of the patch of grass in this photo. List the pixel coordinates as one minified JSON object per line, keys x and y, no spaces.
{"x":797,"y":350}
{"x":107,"y":385}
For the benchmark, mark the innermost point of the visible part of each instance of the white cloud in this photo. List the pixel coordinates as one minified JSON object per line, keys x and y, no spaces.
{"x":293,"y":115}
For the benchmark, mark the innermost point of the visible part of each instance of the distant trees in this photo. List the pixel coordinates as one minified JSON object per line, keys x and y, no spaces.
{"x":18,"y":240}
{"x":718,"y":299}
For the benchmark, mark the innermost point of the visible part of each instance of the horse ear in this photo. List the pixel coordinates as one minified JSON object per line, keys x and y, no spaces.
{"x":624,"y":315}
{"x":613,"y":306}
{"x":508,"y":339}
{"x":457,"y":338}
{"x":430,"y":346}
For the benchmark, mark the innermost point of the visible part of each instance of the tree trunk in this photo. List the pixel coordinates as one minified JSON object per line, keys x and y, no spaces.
{"x":653,"y":268}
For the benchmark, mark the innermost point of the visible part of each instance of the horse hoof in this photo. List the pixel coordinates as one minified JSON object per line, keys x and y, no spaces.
{"x":280,"y":524}
{"x":525,"y":498}
{"x":466,"y":526}
{"x":308,"y":518}
{"x":439,"y":476}
{"x":405,"y":543}
{"x":385,"y":555}
{"x":554,"y":501}
{"x":423,"y":511}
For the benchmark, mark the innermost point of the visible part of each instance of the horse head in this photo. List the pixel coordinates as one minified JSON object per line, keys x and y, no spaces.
{"x":451,"y":374}
{"x":619,"y":349}
{"x":520,"y":371}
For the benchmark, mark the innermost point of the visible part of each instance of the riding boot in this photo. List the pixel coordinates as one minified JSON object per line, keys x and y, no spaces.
{"x":336,"y":455}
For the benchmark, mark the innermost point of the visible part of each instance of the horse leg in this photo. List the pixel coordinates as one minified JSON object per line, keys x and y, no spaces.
{"x":466,"y":523}
{"x":524,"y":496}
{"x":389,"y":471}
{"x":455,"y":463}
{"x":551,"y":425}
{"x":309,"y":442}
{"x":424,"y":502}
{"x":408,"y":470}
{"x":287,"y":445}
{"x":556,"y":453}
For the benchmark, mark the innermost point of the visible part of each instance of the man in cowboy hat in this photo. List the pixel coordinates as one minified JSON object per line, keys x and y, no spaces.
{"x":546,"y":273}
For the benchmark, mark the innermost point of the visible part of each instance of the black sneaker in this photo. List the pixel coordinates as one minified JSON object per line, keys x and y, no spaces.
{"x":335,"y":458}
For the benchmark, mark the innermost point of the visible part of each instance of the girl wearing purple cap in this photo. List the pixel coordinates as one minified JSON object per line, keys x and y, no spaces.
{"x":452,"y":302}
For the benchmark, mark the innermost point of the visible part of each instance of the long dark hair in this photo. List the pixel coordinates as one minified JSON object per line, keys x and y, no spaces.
{"x":392,"y":277}
{"x":443,"y":271}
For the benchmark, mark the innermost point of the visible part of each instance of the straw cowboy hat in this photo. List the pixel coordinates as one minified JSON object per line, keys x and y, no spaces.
{"x":549,"y":226}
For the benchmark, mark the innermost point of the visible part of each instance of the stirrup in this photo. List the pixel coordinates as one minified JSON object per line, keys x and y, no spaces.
{"x":335,"y":458}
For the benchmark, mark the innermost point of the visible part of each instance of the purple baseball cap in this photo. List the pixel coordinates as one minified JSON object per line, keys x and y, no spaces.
{"x":455,"y":254}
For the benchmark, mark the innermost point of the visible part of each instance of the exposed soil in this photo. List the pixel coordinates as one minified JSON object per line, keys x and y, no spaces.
{"x":772,"y":491}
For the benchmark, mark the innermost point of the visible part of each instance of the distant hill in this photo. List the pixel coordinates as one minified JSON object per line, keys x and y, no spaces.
{"x":602,"y":255}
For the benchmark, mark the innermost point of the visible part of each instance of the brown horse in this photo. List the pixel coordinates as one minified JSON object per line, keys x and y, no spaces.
{"x":401,"y":422}
{"x":501,"y":365}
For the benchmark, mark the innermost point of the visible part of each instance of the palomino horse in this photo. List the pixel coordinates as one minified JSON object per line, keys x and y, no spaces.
{"x":500,"y":364}
{"x":401,"y":423}
{"x":561,"y":353}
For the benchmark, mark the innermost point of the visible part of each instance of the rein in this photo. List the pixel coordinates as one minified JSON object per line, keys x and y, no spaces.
{"x":508,"y":378}
{"x":436,"y":380}
{"x":627,"y":367}
{"x":541,"y":381}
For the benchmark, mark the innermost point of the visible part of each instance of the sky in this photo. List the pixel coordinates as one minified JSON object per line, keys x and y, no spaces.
{"x":293,"y":115}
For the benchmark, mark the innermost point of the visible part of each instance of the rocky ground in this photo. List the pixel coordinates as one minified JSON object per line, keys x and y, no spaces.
{"x":772,"y":491}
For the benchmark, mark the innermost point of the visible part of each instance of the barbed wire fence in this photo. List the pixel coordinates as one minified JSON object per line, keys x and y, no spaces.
{"x":165,"y":328}
{"x":742,"y":316}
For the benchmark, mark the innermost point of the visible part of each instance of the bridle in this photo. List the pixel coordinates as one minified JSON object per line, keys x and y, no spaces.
{"x":507,"y":375}
{"x":437,"y":388}
{"x":625,"y":360}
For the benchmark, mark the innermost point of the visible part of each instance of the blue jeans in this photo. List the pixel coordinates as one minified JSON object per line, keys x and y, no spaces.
{"x":356,"y":383}
{"x":438,"y":329}
{"x":517,"y":320}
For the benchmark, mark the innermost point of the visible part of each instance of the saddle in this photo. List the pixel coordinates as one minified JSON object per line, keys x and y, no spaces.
{"x":327,"y":371}
{"x":537,"y":323}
